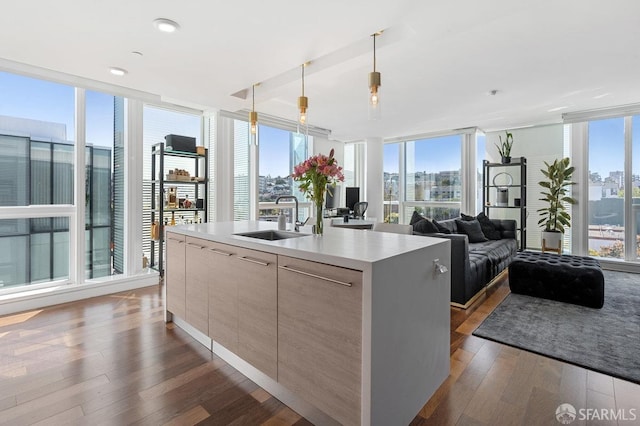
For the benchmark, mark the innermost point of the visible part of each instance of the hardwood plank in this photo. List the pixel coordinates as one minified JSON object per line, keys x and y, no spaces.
{"x":573,"y":385}
{"x":627,"y":395}
{"x":597,"y":400}
{"x":191,"y":417}
{"x":600,"y":382}
{"x":284,"y":417}
{"x":260,"y":395}
{"x":180,"y":380}
{"x":69,"y":416}
{"x":51,"y":403}
{"x":541,"y":407}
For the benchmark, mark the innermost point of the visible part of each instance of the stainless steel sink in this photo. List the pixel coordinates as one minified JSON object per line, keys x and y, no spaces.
{"x":271,"y":235}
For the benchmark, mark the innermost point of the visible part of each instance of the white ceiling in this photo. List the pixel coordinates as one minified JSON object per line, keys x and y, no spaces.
{"x":439,"y":59}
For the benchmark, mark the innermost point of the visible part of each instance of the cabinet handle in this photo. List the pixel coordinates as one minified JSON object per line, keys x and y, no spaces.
{"x":252,"y":260}
{"x":176,"y":240}
{"x":220,"y":252}
{"x":309,"y":274}
{"x":195,"y":245}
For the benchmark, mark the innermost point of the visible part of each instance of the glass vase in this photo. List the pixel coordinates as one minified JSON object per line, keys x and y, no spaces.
{"x":318,"y":229}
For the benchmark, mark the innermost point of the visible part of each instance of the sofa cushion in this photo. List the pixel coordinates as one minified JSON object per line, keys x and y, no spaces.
{"x":488,"y":228}
{"x":441,"y":228}
{"x":472,"y":229}
{"x":415,"y":218}
{"x":499,"y":252}
{"x":425,"y":226}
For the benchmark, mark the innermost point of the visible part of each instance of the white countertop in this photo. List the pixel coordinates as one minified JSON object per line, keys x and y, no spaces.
{"x":350,"y":248}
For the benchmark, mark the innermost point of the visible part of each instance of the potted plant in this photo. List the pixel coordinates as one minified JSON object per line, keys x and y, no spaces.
{"x":555,"y":217}
{"x":504,"y":149}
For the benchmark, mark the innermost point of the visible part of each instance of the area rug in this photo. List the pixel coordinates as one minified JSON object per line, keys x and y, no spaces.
{"x":605,"y":340}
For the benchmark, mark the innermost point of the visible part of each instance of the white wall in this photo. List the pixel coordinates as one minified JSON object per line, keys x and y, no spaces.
{"x":323,"y":146}
{"x":536,"y":144}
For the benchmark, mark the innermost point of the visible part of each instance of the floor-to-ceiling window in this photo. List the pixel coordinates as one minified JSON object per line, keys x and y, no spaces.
{"x":635,"y":187}
{"x":104,"y":203}
{"x":433,"y":185}
{"x":159,"y":122}
{"x":607,"y":188}
{"x":37,"y":173}
{"x":423,"y":175}
{"x":36,"y":180}
{"x":391,"y":171}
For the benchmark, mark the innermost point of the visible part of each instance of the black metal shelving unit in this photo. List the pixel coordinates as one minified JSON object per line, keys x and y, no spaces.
{"x":490,"y":192}
{"x":159,"y":183}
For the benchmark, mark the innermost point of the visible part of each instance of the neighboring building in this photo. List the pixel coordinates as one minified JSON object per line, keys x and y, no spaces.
{"x":36,"y":168}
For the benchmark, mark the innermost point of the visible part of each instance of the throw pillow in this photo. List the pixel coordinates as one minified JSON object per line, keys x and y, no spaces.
{"x":488,"y":228}
{"x":425,"y":226}
{"x":415,"y":218}
{"x":472,"y":229}
{"x":441,"y":228}
{"x":466,"y":217}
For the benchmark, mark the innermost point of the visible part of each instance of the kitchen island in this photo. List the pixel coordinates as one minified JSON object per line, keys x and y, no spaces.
{"x":351,"y":327}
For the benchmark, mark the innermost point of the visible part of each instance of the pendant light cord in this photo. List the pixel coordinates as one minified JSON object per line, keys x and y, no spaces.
{"x":302,"y":79}
{"x":253,"y":101}
{"x":374,"y":52}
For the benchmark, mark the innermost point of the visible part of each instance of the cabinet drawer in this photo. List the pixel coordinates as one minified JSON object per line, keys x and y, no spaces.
{"x":175,"y":275}
{"x":223,"y":296}
{"x":257,"y":309}
{"x":320,"y":335}
{"x":197,"y":283}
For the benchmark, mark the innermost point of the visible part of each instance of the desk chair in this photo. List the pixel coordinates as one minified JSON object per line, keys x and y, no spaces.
{"x":359,"y":209}
{"x":393,"y":227}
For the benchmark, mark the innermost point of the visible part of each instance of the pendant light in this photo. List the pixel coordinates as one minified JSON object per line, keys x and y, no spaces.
{"x":303,"y":101}
{"x":374,"y":85}
{"x":253,"y":115}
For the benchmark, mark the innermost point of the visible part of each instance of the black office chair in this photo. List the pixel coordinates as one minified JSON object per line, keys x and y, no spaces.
{"x":359,"y":209}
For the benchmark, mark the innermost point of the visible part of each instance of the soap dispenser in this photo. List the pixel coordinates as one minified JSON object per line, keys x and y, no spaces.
{"x":282,"y":221}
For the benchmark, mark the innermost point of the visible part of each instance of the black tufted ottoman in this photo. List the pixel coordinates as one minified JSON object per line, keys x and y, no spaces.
{"x":571,"y":279}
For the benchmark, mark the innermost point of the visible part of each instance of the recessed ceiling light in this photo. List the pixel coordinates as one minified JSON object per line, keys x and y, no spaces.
{"x":118,"y":71}
{"x":166,"y":25}
{"x":557,"y":109}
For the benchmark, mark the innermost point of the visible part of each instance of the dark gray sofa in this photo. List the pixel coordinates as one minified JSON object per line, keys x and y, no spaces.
{"x":474,"y":265}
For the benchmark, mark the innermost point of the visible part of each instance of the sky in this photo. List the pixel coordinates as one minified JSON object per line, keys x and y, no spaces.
{"x":273,"y":148}
{"x":432,"y":155}
{"x":606,"y":145}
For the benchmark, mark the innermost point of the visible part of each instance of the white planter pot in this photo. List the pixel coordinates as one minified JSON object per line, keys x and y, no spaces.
{"x":552,"y":241}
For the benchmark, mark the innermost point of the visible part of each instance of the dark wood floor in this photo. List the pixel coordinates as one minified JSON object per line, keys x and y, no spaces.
{"x":112,"y":360}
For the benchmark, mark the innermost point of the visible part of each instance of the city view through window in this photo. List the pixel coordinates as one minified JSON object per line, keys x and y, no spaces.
{"x":607,"y":201}
{"x":432,"y":183}
{"x":279,"y":151}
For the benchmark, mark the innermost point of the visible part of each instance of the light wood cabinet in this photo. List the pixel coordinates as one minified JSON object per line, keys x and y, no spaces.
{"x":197,"y":278}
{"x":320,"y":335}
{"x":243,"y":304}
{"x":175,"y":279}
{"x":257,"y":280}
{"x":223,"y":296}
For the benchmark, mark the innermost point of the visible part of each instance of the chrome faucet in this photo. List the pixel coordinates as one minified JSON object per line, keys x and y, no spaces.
{"x":296,"y":223}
